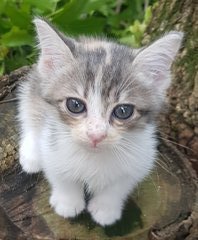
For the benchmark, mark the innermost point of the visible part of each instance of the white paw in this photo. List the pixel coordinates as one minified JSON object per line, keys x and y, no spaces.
{"x":29,"y":155}
{"x":104,"y":214}
{"x":66,"y":206}
{"x":29,"y":165}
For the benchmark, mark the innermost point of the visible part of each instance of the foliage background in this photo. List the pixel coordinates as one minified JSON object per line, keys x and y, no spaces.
{"x":124,"y":20}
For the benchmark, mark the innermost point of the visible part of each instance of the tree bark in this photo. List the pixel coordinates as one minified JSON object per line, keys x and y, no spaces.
{"x":180,"y":124}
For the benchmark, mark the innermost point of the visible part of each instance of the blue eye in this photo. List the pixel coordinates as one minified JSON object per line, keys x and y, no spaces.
{"x":75,"y":105}
{"x":123,"y":111}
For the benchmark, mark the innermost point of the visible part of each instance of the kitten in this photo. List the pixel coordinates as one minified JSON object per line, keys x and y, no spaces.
{"x":87,"y":116}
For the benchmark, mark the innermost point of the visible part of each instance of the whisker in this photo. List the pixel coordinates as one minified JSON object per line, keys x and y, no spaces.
{"x":153,"y":182}
{"x":129,"y":145}
{"x":120,"y":158}
{"x":178,"y":144}
{"x":166,"y":137}
{"x":163,"y":167}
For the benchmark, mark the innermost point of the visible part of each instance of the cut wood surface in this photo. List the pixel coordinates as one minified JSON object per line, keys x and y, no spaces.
{"x":162,"y":207}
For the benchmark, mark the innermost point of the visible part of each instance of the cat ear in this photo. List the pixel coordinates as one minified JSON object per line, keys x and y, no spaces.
{"x":153,"y":63}
{"x":54,"y":51}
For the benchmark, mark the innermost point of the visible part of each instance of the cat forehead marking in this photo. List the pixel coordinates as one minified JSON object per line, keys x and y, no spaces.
{"x":104,"y":70}
{"x":95,"y":45}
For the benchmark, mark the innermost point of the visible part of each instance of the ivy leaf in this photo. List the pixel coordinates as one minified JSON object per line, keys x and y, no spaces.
{"x":44,"y":6}
{"x":16,"y":37}
{"x":91,"y":25}
{"x":17,"y":16}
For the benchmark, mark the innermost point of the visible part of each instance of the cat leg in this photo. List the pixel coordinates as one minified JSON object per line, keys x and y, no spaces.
{"x":29,"y":155}
{"x":106,"y":205}
{"x":67,"y":198}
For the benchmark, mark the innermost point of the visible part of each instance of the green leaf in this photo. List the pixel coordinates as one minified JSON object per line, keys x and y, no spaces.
{"x":69,"y":12}
{"x":148,"y":15}
{"x":43,"y":6}
{"x":2,"y":5}
{"x":2,"y":68}
{"x":129,"y":40}
{"x":85,"y":26}
{"x":5,"y":25}
{"x":94,"y":5}
{"x":77,"y":9}
{"x":17,"y":16}
{"x":16,"y":37}
{"x":3,"y":52}
{"x":17,"y":57}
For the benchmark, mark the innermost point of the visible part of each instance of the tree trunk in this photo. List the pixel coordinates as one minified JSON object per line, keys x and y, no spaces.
{"x":164,"y":206}
{"x":180,"y":124}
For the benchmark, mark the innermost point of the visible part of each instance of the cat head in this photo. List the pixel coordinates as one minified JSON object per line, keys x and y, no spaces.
{"x":101,"y":89}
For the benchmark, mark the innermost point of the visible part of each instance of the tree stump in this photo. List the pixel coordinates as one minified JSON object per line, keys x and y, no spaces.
{"x":163,"y":207}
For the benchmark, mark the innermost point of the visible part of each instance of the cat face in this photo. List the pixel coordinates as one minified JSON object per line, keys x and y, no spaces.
{"x":103,"y":90}
{"x":95,"y":122}
{"x":97,"y":96}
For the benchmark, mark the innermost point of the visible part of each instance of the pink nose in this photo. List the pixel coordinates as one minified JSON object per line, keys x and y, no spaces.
{"x":96,"y":138}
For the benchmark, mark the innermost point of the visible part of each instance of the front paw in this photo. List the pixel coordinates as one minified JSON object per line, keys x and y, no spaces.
{"x":29,"y":157}
{"x":66,"y":206}
{"x":29,"y":165}
{"x":30,"y":162}
{"x":104,"y":213}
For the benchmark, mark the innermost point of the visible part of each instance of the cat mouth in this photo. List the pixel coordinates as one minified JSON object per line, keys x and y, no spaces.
{"x":92,"y":147}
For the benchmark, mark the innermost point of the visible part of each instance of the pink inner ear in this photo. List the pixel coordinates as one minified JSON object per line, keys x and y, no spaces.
{"x":48,"y":63}
{"x":46,"y":66}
